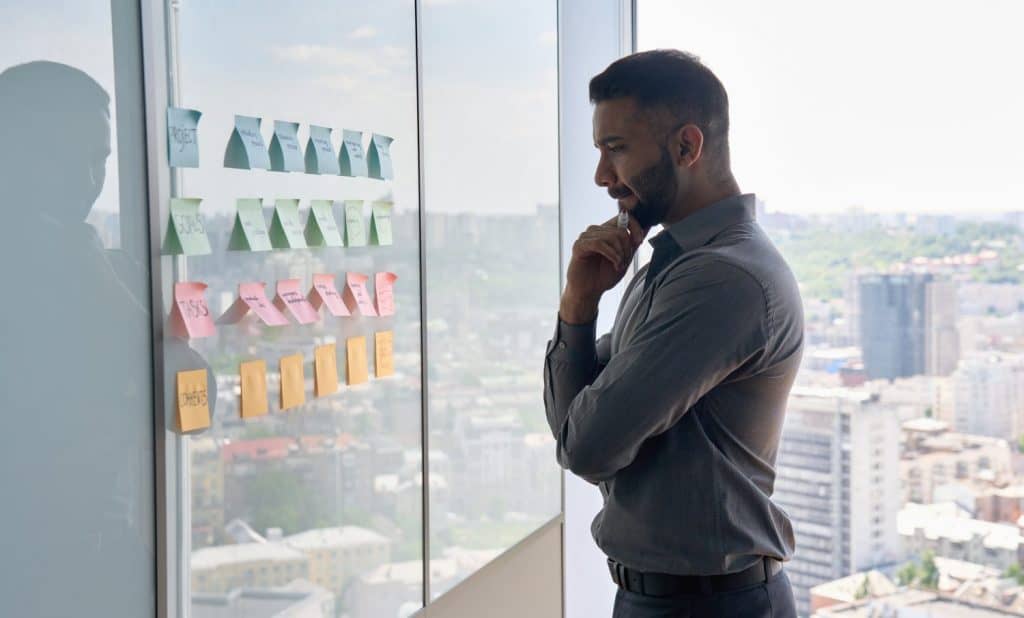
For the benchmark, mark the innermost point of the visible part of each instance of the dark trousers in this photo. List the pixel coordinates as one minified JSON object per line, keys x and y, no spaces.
{"x":770,"y":599}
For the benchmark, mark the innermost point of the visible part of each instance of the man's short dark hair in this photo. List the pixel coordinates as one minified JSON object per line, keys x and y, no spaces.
{"x":677,"y":82}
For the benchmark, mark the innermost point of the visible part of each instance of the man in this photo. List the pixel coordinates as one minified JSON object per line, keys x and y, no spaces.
{"x":676,"y":414}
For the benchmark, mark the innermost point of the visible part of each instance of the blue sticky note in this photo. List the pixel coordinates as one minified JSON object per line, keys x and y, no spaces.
{"x":246,"y":148}
{"x":285,"y":150}
{"x":320,"y":157}
{"x":379,"y":157}
{"x":182,"y":144}
{"x":352,"y":159}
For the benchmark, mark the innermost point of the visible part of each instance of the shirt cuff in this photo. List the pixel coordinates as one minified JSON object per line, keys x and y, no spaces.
{"x":573,"y":342}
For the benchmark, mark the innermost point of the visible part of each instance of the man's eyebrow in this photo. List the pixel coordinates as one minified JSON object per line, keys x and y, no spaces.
{"x":607,"y":140}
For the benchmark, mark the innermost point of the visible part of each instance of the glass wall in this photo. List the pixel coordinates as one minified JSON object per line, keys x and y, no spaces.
{"x":319,"y":503}
{"x":882,"y":141}
{"x":76,"y":452}
{"x":490,"y":98}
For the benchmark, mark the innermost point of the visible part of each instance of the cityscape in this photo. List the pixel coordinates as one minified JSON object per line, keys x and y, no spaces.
{"x":900,"y":463}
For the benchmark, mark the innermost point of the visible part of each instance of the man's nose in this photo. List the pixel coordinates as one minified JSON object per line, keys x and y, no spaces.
{"x":604,"y":175}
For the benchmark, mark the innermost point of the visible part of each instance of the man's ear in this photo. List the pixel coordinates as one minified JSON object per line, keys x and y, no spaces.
{"x":690,"y":142}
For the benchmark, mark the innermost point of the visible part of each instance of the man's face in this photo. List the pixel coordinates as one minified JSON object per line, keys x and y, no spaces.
{"x":635,"y":165}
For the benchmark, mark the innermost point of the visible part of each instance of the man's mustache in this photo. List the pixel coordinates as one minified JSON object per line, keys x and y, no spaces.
{"x":619,"y":194}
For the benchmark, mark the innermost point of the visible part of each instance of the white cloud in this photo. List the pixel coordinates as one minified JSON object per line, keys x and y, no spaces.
{"x":364,"y":32}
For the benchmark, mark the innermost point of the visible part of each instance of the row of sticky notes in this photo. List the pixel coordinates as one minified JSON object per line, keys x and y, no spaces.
{"x":186,"y":232}
{"x":193,"y":388}
{"x":247,"y":150}
{"x":191,"y":317}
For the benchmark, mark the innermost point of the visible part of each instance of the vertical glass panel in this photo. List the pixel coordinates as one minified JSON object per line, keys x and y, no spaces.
{"x":76,"y":457}
{"x":908,"y":256}
{"x":319,"y":504}
{"x":491,"y":168}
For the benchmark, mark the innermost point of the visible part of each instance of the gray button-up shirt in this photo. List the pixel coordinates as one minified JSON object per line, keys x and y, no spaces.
{"x":676,"y":414}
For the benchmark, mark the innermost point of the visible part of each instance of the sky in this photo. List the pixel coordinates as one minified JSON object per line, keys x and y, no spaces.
{"x":891,"y":106}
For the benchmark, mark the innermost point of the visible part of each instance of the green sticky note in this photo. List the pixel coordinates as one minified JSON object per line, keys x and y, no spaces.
{"x":246,"y":149}
{"x":182,"y":146}
{"x":380,"y":223}
{"x":379,"y":157}
{"x":355,"y":232}
{"x":285,"y":227}
{"x":320,"y":157}
{"x":285,"y":151}
{"x":321,"y":228}
{"x":249,"y":232}
{"x":186,"y":233}
{"x":352,"y":159}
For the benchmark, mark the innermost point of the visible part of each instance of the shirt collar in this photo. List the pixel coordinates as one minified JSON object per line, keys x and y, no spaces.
{"x":697,"y":229}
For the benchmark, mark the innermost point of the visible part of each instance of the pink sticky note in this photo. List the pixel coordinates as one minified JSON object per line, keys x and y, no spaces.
{"x":324,"y":293}
{"x":356,"y":294}
{"x":190,"y":317}
{"x":290,"y":300}
{"x":385,"y":288}
{"x":252,"y":296}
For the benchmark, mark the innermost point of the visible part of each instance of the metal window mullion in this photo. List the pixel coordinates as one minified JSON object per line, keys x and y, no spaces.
{"x":424,"y":373}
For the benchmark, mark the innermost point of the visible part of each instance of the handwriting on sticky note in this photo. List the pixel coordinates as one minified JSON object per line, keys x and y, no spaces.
{"x":286,"y":228}
{"x":355,"y":228}
{"x":380,"y":224}
{"x":321,"y":228}
{"x":293,"y":381}
{"x":285,"y":152}
{"x":384,"y":285}
{"x":193,"y":400}
{"x":253,"y":380}
{"x":356,"y":294}
{"x":182,"y":145}
{"x":249,"y":231}
{"x":379,"y":157}
{"x":352,"y":159}
{"x":186,"y":233}
{"x":246,"y":148}
{"x":384,"y":356}
{"x":252,"y":296}
{"x":320,"y":157}
{"x":290,"y":299}
{"x":190,"y":316}
{"x":356,"y":368}
{"x":325,"y":361}
{"x":324,"y":293}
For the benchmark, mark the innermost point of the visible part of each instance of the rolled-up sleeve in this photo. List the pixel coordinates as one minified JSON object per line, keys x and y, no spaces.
{"x":706,"y":320}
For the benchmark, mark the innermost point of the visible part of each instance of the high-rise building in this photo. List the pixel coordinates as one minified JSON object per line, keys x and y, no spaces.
{"x":907,"y":325}
{"x":988,"y":393}
{"x":838,"y":450}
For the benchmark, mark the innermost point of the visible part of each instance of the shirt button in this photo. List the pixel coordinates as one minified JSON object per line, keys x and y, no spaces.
{"x":561,"y":345}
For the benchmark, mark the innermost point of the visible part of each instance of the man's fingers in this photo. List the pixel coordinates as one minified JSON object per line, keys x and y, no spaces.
{"x":636,"y":232}
{"x":604,"y":247}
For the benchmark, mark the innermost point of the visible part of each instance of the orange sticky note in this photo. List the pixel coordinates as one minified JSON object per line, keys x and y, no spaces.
{"x":385,"y":288}
{"x":253,"y":297}
{"x":325,"y":365}
{"x":193,"y":402}
{"x":254,"y":388}
{"x":384,"y":355}
{"x":190,"y":317}
{"x":325,"y":294}
{"x":356,"y":369}
{"x":293,"y":382}
{"x":290,"y":300}
{"x":356,"y":294}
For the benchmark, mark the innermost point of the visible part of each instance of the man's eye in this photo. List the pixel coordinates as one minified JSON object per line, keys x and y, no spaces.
{"x":616,"y":148}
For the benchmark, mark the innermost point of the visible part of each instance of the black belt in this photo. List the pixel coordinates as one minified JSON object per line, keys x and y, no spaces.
{"x":667,"y":585}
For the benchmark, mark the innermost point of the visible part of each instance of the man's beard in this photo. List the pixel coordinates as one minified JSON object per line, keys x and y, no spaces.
{"x":655,"y":188}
